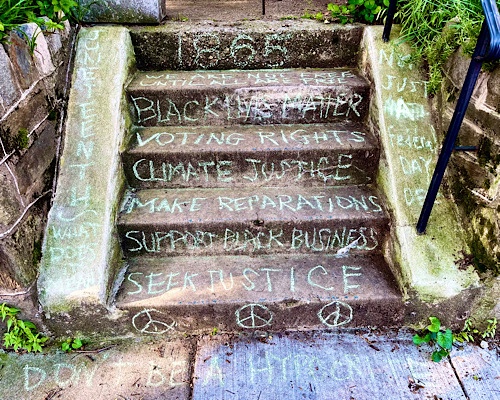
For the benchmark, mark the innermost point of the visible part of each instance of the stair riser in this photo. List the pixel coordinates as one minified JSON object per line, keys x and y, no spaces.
{"x":271,"y":45}
{"x":285,"y":316}
{"x":247,"y":238}
{"x":209,"y":292}
{"x":224,"y":106}
{"x":276,"y":168}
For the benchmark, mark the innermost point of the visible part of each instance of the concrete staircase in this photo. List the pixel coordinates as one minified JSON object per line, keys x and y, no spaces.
{"x":252,"y":202}
{"x":247,"y":176}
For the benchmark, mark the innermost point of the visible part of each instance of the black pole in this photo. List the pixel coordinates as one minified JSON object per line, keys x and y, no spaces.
{"x":263,"y":7}
{"x":456,"y":122}
{"x":389,"y":20}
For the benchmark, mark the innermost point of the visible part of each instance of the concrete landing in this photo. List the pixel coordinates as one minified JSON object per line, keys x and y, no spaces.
{"x":323,"y":366}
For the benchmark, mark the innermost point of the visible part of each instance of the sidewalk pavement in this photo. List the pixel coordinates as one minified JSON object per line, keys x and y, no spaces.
{"x":348,"y":365}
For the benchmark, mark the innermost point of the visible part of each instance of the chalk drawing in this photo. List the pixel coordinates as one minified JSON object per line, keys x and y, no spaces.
{"x":145,"y":322}
{"x":253,"y":316}
{"x":335,"y":314}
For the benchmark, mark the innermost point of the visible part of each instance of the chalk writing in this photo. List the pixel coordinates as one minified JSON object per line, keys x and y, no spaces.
{"x":269,"y":137}
{"x":229,"y":78}
{"x":402,"y":60}
{"x":326,"y":169}
{"x":335,"y":314}
{"x":253,"y":316}
{"x":344,"y":279}
{"x":401,"y":109}
{"x":167,"y":372}
{"x":75,"y":230}
{"x":239,"y":108}
{"x":152,"y":321}
{"x":281,"y":202}
{"x":402,"y":84}
{"x":317,"y":239}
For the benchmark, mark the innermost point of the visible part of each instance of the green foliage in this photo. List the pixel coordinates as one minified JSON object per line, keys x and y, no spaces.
{"x":214,"y":331}
{"x":433,"y":335}
{"x":47,"y":14}
{"x":22,"y":138}
{"x":20,"y":334}
{"x":318,"y":16}
{"x":470,"y":333}
{"x":436,"y":28}
{"x":366,"y":11}
{"x":71,"y":344}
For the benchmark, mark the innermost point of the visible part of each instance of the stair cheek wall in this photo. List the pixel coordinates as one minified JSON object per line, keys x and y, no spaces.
{"x":252,"y":203}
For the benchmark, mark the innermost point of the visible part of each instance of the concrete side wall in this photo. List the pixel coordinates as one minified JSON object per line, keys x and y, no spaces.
{"x":32,"y":82}
{"x":476,"y":175}
{"x":79,"y":245}
{"x":431,"y":267}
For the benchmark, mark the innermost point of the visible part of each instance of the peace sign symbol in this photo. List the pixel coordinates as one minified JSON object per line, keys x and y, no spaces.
{"x":149,"y":324}
{"x":253,"y":316}
{"x":335,"y":314}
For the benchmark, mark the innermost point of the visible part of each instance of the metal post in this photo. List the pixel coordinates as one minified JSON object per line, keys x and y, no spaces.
{"x":263,"y":7}
{"x":389,"y":20}
{"x":456,"y":122}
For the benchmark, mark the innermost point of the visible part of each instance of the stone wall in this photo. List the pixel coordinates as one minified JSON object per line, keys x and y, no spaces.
{"x":33,"y":69}
{"x":475,"y":183}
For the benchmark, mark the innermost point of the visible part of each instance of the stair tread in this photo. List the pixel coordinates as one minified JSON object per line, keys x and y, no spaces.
{"x":284,"y":284}
{"x":210,"y":206}
{"x":248,"y":97}
{"x":235,"y":79}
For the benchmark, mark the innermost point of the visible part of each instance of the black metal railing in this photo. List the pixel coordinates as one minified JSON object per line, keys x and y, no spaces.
{"x":487,"y":49}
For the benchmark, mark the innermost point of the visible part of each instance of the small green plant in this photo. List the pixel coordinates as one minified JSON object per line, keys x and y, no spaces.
{"x":30,"y":40}
{"x":469,"y":333}
{"x":366,"y":11}
{"x":22,"y":138}
{"x":433,"y":335}
{"x":180,"y":18}
{"x":20,"y":334}
{"x":214,"y":331}
{"x":71,"y":344}
{"x":319,"y":16}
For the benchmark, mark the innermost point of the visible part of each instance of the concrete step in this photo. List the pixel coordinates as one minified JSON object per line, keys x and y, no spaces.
{"x":252,"y":221}
{"x":245,"y":44}
{"x":249,"y":155}
{"x":248,"y":97}
{"x":269,"y":293}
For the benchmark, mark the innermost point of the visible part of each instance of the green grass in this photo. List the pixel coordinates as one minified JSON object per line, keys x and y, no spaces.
{"x":437,"y":28}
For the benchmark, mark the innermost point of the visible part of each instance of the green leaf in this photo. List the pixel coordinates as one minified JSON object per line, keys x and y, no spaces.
{"x":435,"y":324}
{"x":445,"y":340}
{"x":65,"y":346}
{"x":436,"y":356}
{"x":77,"y":343}
{"x":418,"y":340}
